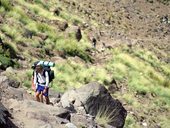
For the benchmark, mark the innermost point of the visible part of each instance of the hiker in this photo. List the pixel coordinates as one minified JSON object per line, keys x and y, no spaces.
{"x":45,"y":68}
{"x":41,"y":82}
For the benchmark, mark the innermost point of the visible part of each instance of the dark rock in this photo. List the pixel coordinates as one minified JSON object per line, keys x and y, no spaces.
{"x":63,"y":26}
{"x":9,"y":48}
{"x":95,"y":100}
{"x":94,"y":41}
{"x":42,"y":36}
{"x":5,"y":122}
{"x":57,"y":11}
{"x":1,"y":71}
{"x":1,"y":42}
{"x":14,"y":84}
{"x":75,"y":31}
{"x":65,"y":115}
{"x":28,"y":33}
{"x":62,"y":120}
{"x":1,"y":19}
{"x":113,"y":86}
{"x":78,"y":34}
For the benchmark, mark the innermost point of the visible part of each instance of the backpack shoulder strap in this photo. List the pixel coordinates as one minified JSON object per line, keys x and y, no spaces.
{"x":45,"y":70}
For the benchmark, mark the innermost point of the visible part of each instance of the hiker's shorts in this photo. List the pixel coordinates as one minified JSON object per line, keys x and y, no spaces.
{"x":41,"y":89}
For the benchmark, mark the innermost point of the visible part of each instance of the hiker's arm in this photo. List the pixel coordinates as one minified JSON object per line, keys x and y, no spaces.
{"x":35,"y":78}
{"x":47,"y":79}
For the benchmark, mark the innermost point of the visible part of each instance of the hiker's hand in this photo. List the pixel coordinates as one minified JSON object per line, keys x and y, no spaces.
{"x":34,"y":87}
{"x":44,"y":91}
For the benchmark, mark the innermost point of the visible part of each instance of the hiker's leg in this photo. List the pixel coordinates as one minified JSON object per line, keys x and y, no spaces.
{"x":46,"y":96}
{"x":47,"y":100}
{"x":38,"y":93}
{"x":41,"y":97}
{"x":37,"y":96}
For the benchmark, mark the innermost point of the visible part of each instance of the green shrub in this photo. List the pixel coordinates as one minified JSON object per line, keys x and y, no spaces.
{"x":166,"y":83}
{"x":6,"y":4}
{"x":27,"y":83}
{"x":8,"y":50}
{"x":5,"y":62}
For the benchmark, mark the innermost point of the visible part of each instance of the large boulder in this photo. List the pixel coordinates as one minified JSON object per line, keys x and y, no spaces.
{"x":5,"y":121}
{"x":62,"y":26}
{"x":76,"y":31}
{"x":38,"y":115}
{"x":10,"y":89}
{"x":94,"y":99}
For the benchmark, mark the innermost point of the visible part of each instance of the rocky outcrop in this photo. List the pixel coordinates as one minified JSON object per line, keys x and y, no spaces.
{"x":79,"y":107}
{"x":94,"y":99}
{"x":35,"y":114}
{"x":5,"y":116}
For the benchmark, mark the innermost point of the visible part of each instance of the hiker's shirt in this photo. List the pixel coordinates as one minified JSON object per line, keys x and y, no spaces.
{"x":40,"y":79}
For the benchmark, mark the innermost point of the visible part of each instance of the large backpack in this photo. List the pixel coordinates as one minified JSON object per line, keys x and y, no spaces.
{"x":46,"y":68}
{"x":50,"y":73}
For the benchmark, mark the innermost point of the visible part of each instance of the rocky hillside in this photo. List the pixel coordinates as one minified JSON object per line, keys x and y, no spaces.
{"x":133,"y":22}
{"x":122,"y":44}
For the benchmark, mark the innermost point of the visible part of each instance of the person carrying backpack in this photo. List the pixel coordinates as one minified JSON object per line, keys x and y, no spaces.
{"x":42,"y":76}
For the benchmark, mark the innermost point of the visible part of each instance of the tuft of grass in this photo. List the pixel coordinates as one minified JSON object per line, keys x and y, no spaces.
{"x":38,"y":9}
{"x":73,"y":48}
{"x":42,"y":3}
{"x":42,"y":27}
{"x":143,"y":71}
{"x":104,"y":116}
{"x":71,"y":74}
{"x":8,"y":31}
{"x":20,"y":15}
{"x":131,"y":122}
{"x":71,"y":18}
{"x":25,"y":78}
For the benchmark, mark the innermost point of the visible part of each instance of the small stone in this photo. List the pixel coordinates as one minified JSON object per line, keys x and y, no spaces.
{"x":144,"y":124}
{"x":70,"y":125}
{"x":10,"y":70}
